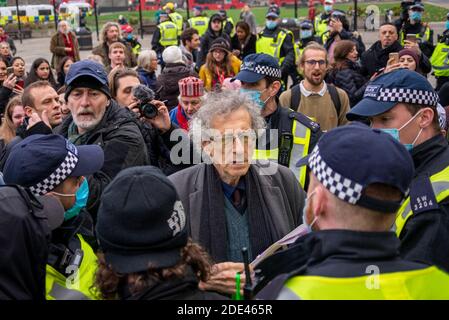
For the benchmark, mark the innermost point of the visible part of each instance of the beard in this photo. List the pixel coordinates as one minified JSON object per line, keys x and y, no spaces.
{"x":86,"y":118}
{"x":315,"y":79}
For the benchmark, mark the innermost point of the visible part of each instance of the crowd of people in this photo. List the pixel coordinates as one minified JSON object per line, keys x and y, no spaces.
{"x":178,"y":172}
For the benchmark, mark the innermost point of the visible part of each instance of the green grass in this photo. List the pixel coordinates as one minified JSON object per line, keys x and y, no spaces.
{"x":432,"y":13}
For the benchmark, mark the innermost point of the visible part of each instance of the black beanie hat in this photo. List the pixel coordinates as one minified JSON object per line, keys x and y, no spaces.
{"x":87,"y":82}
{"x":141,"y":221}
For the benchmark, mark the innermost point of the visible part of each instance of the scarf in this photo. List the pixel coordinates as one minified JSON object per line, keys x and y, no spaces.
{"x":262,"y":232}
{"x":181,"y":118}
{"x":74,"y":136}
{"x":68,"y":43}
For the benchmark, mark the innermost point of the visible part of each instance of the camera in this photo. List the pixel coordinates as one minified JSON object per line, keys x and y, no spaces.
{"x":145,"y":95}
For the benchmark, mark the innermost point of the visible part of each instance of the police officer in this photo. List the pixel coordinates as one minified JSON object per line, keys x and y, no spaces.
{"x":228,"y":23}
{"x":165,"y":35}
{"x":353,"y":196}
{"x":421,"y":31}
{"x":440,"y":60}
{"x":404,"y":104}
{"x":131,"y":39}
{"x":50,"y":164}
{"x":322,"y":20}
{"x":278,"y":43}
{"x":198,"y":21}
{"x":175,"y":17}
{"x":305,"y":36}
{"x":260,"y":76}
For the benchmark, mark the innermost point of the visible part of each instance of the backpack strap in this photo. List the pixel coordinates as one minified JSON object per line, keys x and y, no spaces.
{"x":296,"y":97}
{"x":335,"y":98}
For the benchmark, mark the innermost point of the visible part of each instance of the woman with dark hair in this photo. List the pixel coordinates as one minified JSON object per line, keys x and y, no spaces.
{"x":345,"y":71}
{"x":40,"y":70}
{"x":220,"y":64}
{"x":147,"y":255}
{"x":11,"y":84}
{"x":243,"y":42}
{"x":13,"y":118}
{"x":62,"y":69}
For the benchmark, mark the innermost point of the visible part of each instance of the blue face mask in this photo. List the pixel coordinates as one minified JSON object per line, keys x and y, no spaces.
{"x":255,"y":96}
{"x":447,"y":25}
{"x":271,"y":25}
{"x":395,"y":133}
{"x":304,"y":215}
{"x":328,"y":8}
{"x":129,"y":37}
{"x":81,"y":196}
{"x":304,"y":34}
{"x":416,"y":16}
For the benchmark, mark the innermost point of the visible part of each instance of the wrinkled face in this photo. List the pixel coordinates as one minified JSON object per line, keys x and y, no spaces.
{"x":19,"y":68}
{"x":46,"y":98}
{"x":216,"y":25}
{"x":241,"y":33}
{"x":112,"y":35}
{"x":5,"y":50}
{"x":408,"y":62}
{"x":195,"y":42}
{"x":218,"y":55}
{"x":314,"y":66}
{"x":63,"y":27}
{"x":18,"y":114}
{"x":117,"y":56}
{"x":388,"y":34}
{"x":67,"y":65}
{"x":124,"y":94}
{"x":3,"y":72}
{"x":353,"y":55}
{"x":87,"y":107}
{"x":190,"y":105}
{"x":43,"y":71}
{"x":232,"y":145}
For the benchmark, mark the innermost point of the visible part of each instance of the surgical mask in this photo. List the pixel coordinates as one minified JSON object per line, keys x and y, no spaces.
{"x":416,"y":16}
{"x":81,"y":196}
{"x":270,"y":24}
{"x":304,"y":34}
{"x":395,"y":133}
{"x":328,"y":8}
{"x":254,"y":95}
{"x":129,"y":37}
{"x":447,"y":25}
{"x":304,"y":215}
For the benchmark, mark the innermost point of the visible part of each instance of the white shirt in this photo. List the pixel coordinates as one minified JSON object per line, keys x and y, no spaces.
{"x":307,"y":93}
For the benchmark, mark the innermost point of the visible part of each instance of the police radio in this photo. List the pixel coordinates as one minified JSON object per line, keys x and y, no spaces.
{"x":285,"y":148}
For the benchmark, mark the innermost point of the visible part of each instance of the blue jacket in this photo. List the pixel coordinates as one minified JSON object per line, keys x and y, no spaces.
{"x":147,"y":78}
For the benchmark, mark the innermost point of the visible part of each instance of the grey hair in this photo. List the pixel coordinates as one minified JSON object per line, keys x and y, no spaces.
{"x":221,"y":104}
{"x":4,"y":43}
{"x":145,"y":58}
{"x":105,"y":29}
{"x":60,"y":23}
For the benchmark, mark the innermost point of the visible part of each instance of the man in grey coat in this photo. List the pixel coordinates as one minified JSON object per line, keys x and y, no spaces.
{"x":230,"y":201}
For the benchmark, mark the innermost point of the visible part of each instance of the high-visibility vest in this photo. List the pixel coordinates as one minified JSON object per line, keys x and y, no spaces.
{"x":272,"y":46}
{"x":440,"y":186}
{"x":169,"y":34}
{"x":423,"y":284}
{"x":324,"y":37}
{"x":200,"y":24}
{"x":301,"y":144}
{"x":177,"y":19}
{"x":79,"y":285}
{"x":424,"y":36}
{"x":320,"y":26}
{"x":229,"y":19}
{"x":440,"y":60}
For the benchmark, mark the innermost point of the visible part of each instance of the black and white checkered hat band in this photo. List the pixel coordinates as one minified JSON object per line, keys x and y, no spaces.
{"x":264,"y":70}
{"x":421,"y":97}
{"x":344,"y":188}
{"x":60,"y":174}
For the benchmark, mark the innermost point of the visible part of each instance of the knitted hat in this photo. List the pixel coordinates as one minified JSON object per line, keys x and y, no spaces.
{"x":220,"y":43}
{"x":191,"y":87}
{"x":412,"y":53}
{"x":172,"y":54}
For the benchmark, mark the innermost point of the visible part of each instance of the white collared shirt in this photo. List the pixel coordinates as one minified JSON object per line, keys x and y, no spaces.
{"x":307,"y":93}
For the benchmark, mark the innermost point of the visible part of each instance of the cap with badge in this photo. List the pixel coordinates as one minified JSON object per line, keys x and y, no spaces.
{"x":344,"y":165}
{"x":387,"y":90}
{"x":257,"y":66}
{"x":42,"y":162}
{"x":141,"y":221}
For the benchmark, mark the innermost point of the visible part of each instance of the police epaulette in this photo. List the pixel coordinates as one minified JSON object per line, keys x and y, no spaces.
{"x":309,"y":123}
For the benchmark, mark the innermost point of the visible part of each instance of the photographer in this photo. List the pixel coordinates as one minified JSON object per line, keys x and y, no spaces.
{"x":155,"y":124}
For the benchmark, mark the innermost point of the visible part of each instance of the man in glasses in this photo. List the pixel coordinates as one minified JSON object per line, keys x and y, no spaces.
{"x":324,"y":103}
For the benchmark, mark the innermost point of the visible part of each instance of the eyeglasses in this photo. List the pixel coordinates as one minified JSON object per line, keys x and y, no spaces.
{"x":312,"y":62}
{"x":244,"y":137}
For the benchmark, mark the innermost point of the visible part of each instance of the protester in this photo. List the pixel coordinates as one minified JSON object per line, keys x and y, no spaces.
{"x":160,"y":261}
{"x":403,"y":103}
{"x":228,"y":23}
{"x":191,"y":91}
{"x":12,"y":119}
{"x":62,"y":69}
{"x":40,"y":70}
{"x":230,"y":203}
{"x":49,"y":164}
{"x":175,"y":70}
{"x":109,"y":34}
{"x":5,"y":52}
{"x":116,"y":56}
{"x":65,"y":110}
{"x":243,"y":42}
{"x":346,"y":73}
{"x":147,"y":67}
{"x":349,"y":211}
{"x":409,"y":59}
{"x":326,"y":104}
{"x":64,"y":44}
{"x":248,"y":17}
{"x":6,"y":38}
{"x":220,"y":64}
{"x":190,"y":42}
{"x":97,"y":119}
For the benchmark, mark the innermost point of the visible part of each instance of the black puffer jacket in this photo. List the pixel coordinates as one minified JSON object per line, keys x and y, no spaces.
{"x":350,"y":80}
{"x":207,"y":39}
{"x":119,"y":135}
{"x":167,"y":82}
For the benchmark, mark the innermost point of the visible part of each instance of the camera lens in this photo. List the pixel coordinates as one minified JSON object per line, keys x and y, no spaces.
{"x":149,"y":110}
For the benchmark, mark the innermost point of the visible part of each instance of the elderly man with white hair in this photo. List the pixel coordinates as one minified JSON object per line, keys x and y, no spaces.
{"x":64,"y":43}
{"x":230,"y":201}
